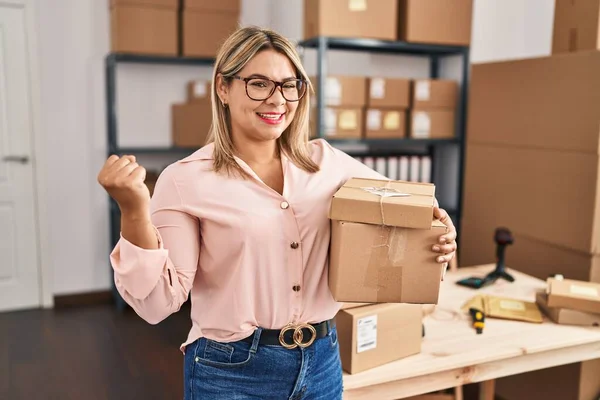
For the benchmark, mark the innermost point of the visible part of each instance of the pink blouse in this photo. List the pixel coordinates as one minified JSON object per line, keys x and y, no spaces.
{"x":246,"y":255}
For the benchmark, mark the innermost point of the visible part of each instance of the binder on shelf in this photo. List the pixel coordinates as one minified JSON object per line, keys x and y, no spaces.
{"x":403,"y":168}
{"x":414,"y":168}
{"x":392,"y":168}
{"x":380,"y":165}
{"x":426,"y":169}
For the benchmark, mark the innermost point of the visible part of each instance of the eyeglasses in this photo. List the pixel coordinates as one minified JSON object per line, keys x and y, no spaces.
{"x":260,"y":89}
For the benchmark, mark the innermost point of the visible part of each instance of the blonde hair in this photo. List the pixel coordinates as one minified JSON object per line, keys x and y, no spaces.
{"x":234,"y":54}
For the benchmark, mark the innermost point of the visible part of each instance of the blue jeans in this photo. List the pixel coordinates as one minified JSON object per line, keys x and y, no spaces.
{"x":241,"y":370}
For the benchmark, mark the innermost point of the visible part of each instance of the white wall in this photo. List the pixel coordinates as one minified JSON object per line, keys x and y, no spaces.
{"x":73,"y":40}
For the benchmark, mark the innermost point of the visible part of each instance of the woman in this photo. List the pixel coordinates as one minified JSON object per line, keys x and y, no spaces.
{"x":241,"y":225}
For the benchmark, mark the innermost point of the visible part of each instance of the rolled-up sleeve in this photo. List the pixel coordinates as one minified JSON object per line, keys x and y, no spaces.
{"x":155,"y":283}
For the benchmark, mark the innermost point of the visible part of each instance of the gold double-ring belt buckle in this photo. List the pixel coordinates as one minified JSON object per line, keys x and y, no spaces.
{"x":298,"y":336}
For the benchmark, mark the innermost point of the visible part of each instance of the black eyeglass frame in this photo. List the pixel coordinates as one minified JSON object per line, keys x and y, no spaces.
{"x":276,"y":83}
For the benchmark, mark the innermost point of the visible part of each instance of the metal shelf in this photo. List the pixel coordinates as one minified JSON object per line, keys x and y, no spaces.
{"x":151,"y":59}
{"x":384,"y":46}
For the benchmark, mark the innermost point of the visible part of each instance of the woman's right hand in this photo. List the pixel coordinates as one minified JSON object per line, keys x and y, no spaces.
{"x":123,"y":179}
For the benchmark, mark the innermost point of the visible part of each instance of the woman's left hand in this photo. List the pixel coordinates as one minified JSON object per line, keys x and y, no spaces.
{"x":446,"y":245}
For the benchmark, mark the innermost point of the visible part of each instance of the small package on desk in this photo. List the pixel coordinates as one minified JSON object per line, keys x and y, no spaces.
{"x":566,"y":316}
{"x":381,"y":238}
{"x":505,"y":308}
{"x":574,"y":295}
{"x":375,"y":335}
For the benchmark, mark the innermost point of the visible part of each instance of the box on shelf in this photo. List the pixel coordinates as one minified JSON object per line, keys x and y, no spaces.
{"x":144,"y":30}
{"x":340,"y":122}
{"x":574,"y":295}
{"x":231,"y":6}
{"x":391,"y":203}
{"x":432,"y":124}
{"x":375,"y":335}
{"x":576,"y":26}
{"x":342,"y":90}
{"x":373,"y":19}
{"x":198,"y":90}
{"x":385,"y":123}
{"x":384,"y":264}
{"x":204,"y":31}
{"x":546,"y":102}
{"x":566,"y":316}
{"x":191,"y":124}
{"x":388,"y":92}
{"x":431,"y":94}
{"x":447,"y":22}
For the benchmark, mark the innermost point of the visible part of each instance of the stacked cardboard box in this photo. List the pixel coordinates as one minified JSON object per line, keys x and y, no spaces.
{"x":144,"y":26}
{"x":576,"y":26}
{"x":387,"y":102}
{"x":206,"y":24}
{"x":419,"y":21}
{"x":433,"y":103}
{"x":191,"y":120}
{"x":377,"y":107}
{"x":345,"y":98}
{"x":373,"y":335}
{"x":382,"y":233}
{"x":533,"y":165}
{"x":571,"y":302}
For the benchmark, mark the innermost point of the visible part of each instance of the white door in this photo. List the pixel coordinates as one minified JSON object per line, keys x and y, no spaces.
{"x":19,"y":274}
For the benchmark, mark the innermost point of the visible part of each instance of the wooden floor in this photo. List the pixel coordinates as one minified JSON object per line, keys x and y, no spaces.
{"x":90,"y":353}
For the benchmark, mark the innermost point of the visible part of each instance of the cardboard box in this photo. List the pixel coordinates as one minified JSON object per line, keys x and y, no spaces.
{"x":433,"y":21}
{"x":433,"y":94}
{"x":528,"y":255}
{"x":340,"y":122}
{"x":547,"y":102}
{"x":374,"y":19}
{"x":198,"y":90}
{"x":191,"y":124}
{"x":576,"y":26}
{"x":347,"y":91}
{"x":204,"y":32}
{"x":229,"y":6}
{"x":171,"y":4}
{"x":388,"y":92}
{"x":578,"y":381}
{"x":385,"y":123}
{"x":144,"y":30}
{"x":432,"y":124}
{"x":391,"y":203}
{"x":566,"y":316}
{"x":379,"y":264}
{"x":574,"y":295}
{"x":378,"y":334}
{"x":548,"y":195}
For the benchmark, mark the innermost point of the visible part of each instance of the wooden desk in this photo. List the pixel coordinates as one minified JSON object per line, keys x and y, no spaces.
{"x":453,"y":354}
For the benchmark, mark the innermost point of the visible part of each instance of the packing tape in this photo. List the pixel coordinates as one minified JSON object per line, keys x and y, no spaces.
{"x":384,"y":272}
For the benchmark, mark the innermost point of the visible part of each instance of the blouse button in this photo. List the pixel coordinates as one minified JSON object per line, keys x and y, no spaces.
{"x":296,"y":288}
{"x":294,"y":245}
{"x":284,"y":205}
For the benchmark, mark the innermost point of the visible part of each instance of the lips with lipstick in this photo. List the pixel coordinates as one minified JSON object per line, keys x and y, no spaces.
{"x":271,"y":118}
